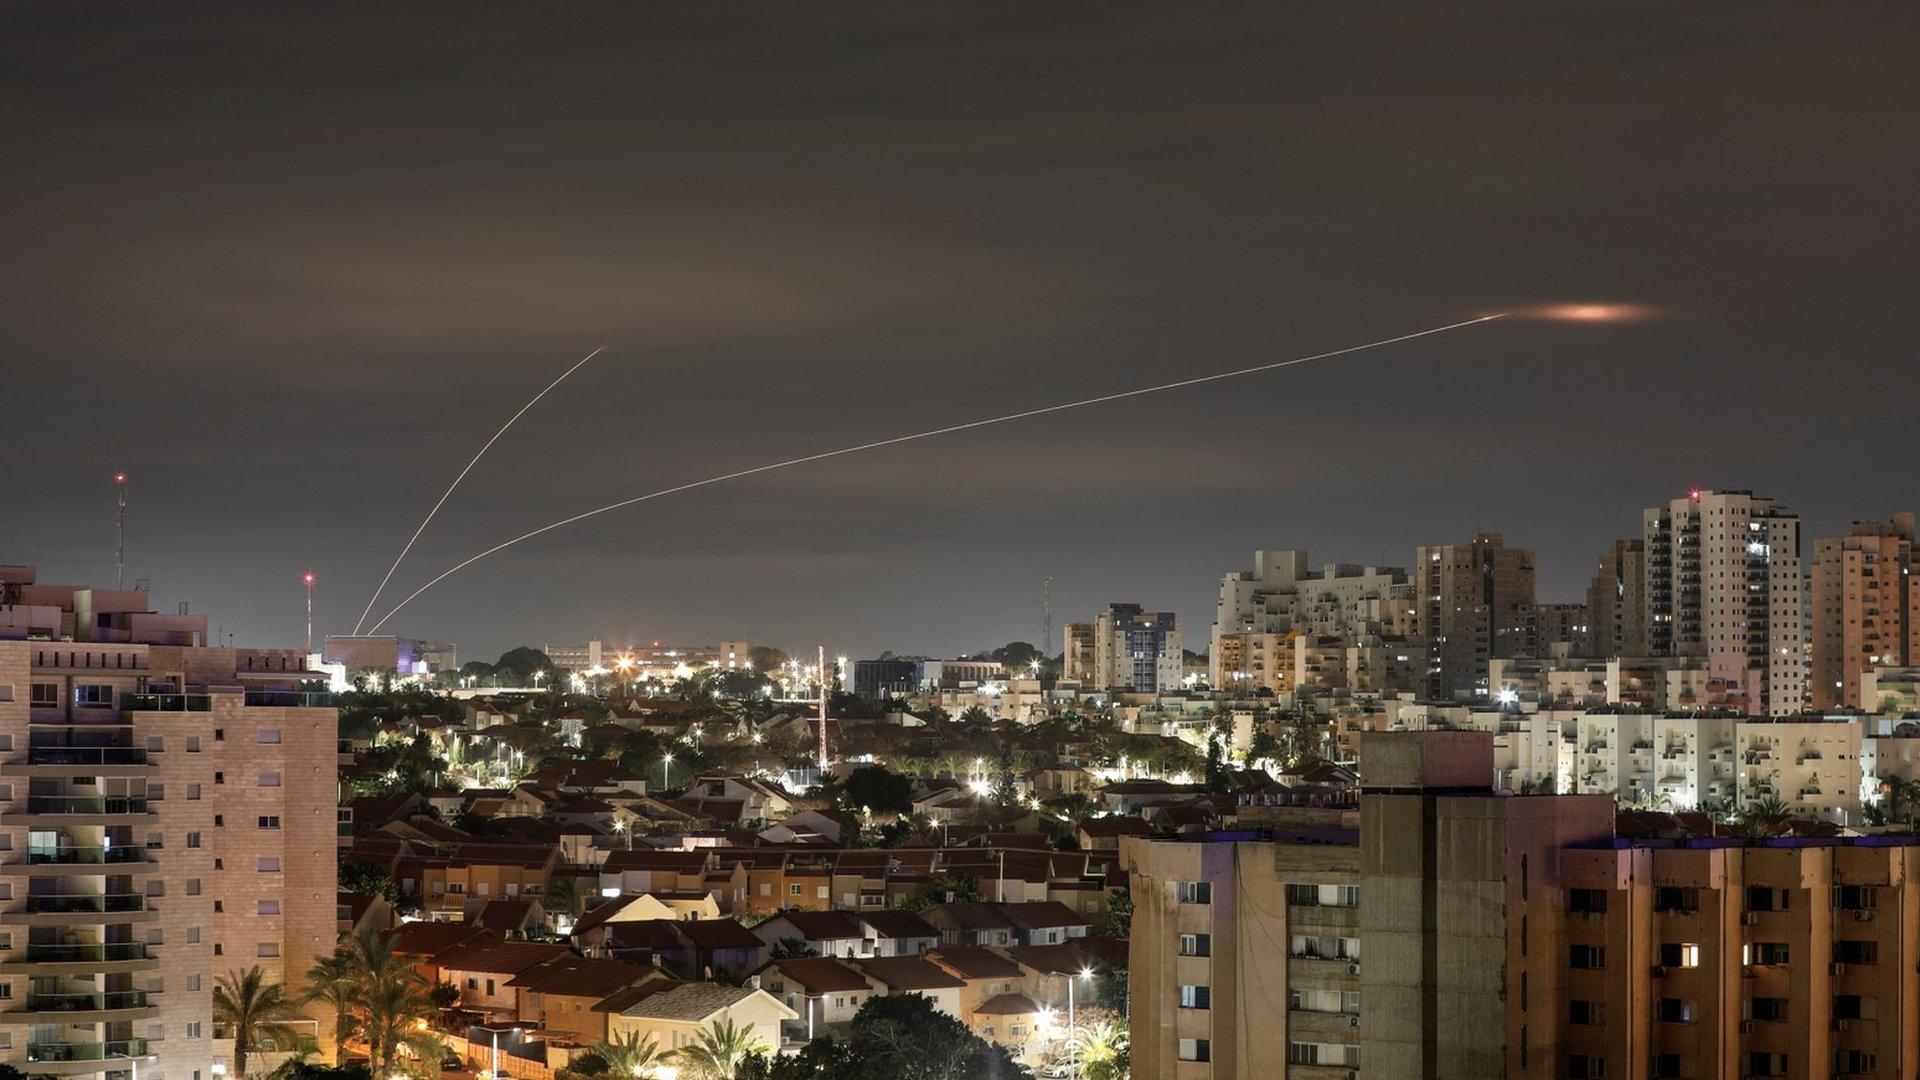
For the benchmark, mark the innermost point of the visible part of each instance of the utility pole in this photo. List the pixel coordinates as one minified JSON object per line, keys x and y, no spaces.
{"x":823,"y":713}
{"x":308,"y":579}
{"x":120,"y":541}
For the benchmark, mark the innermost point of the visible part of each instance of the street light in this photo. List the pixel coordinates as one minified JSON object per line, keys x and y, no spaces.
{"x":664,"y":762}
{"x":1073,"y":1051}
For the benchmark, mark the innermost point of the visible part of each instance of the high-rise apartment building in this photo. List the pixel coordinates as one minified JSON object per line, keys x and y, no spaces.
{"x":1725,"y":582}
{"x":1127,"y":649}
{"x":1458,"y":934}
{"x":1280,"y":596}
{"x":1423,"y":943}
{"x":1865,"y":611}
{"x":169,"y":815}
{"x":1473,"y":602}
{"x":1617,"y":602}
{"x":387,"y":654}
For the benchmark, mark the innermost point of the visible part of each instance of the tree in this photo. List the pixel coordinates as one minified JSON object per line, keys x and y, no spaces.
{"x":791,"y":948}
{"x":519,"y":664}
{"x":387,"y":1001}
{"x":330,"y":980}
{"x":1118,"y":921}
{"x":896,"y":1037}
{"x":366,"y":879}
{"x":767,"y":658}
{"x":1263,"y":746}
{"x":946,"y":888}
{"x":1101,"y":1047}
{"x":1214,"y":776}
{"x":628,"y":1055}
{"x":257,"y":1012}
{"x":719,"y":1050}
{"x":877,"y":788}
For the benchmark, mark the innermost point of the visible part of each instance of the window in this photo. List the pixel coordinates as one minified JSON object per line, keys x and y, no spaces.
{"x":793,"y":890}
{"x":193,"y":984}
{"x":1586,"y":957}
{"x":1196,"y":1050}
{"x":1669,"y":898}
{"x":1673,"y":1011}
{"x":193,"y":886}
{"x":1769,"y":1008}
{"x":1586,"y":1012}
{"x":92,"y":696}
{"x":269,"y":779}
{"x":820,"y":891}
{"x":1769,"y":953}
{"x":1196,"y":997}
{"x":1766,"y":898}
{"x":1324,"y":948}
{"x":193,"y":792}
{"x":1324,"y":1001}
{"x":193,"y":839}
{"x":1765,"y":1063}
{"x":269,"y":821}
{"x":766,"y":888}
{"x":1679,"y":955}
{"x":1196,"y":944}
{"x":193,"y":1029}
{"x":1586,"y":901}
{"x":269,"y":736}
{"x":269,"y":864}
{"x":1856,"y":897}
{"x":1850,"y":951}
{"x":1196,"y":892}
{"x":44,"y":695}
{"x":1333,"y":1055}
{"x":193,"y":744}
{"x":193,"y":935}
{"x":1855,"y":1007}
{"x":1586,"y":1067}
{"x":272,"y":948}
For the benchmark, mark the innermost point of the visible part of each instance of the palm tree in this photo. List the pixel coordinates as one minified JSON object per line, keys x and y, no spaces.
{"x":331,"y":980}
{"x":628,"y":1055}
{"x":257,"y":1012}
{"x":1101,"y":1049}
{"x":391,"y":1002}
{"x":563,"y":896}
{"x":720,"y":1050}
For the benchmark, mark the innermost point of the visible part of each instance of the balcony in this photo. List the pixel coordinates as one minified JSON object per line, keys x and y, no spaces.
{"x":167,"y":702}
{"x":86,"y":755}
{"x":92,"y":959}
{"x":293,"y":699}
{"x":72,"y":1058}
{"x":106,"y":904}
{"x":92,"y":1007}
{"x":75,"y":809}
{"x":77,"y":854}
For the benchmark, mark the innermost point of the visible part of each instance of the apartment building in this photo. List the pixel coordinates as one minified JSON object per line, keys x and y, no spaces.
{"x":1126,"y":648}
{"x":1420,"y":945}
{"x":1617,"y":601}
{"x":1462,"y":934}
{"x":168,"y":810}
{"x":1724,"y":581}
{"x":1864,"y":612}
{"x":1473,"y":602}
{"x":387,"y":654}
{"x":1281,"y":596}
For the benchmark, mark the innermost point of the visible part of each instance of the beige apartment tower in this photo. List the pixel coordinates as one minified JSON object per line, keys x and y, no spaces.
{"x":1865,"y":610}
{"x":1473,"y":602}
{"x":168,"y":814}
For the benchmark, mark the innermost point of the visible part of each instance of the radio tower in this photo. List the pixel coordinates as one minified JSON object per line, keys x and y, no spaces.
{"x":120,"y":541}
{"x":823,"y":713}
{"x":1046,"y":616}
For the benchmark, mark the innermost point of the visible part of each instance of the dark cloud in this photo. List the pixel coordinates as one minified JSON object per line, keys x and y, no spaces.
{"x":289,"y":264}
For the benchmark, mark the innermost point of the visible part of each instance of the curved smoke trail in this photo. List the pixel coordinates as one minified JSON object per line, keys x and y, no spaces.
{"x":897,"y":439}
{"x":397,"y":559}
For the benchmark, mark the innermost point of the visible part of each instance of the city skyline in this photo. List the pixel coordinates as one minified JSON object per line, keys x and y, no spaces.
{"x":872,"y":223}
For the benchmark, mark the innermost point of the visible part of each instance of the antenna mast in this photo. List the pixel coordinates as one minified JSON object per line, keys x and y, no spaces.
{"x":307,"y":578}
{"x":1046,"y":616}
{"x":120,"y":539}
{"x":822,"y":669}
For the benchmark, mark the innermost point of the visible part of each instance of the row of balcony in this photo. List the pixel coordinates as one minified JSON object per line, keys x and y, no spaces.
{"x":96,"y":1001}
{"x":69,"y":904}
{"x":88,"y":1051}
{"x":76,"y":854}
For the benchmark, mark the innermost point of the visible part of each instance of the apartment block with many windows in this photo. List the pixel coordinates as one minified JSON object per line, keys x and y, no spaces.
{"x":166,"y":818}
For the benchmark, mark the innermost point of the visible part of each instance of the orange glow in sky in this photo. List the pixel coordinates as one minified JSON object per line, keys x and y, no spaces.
{"x":1594,"y":312}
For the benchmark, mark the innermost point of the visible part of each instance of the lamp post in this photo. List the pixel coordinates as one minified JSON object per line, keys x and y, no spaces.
{"x":1072,"y":1050}
{"x":665,"y":761}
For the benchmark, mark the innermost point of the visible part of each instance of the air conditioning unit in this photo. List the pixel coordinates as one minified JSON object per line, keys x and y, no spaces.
{"x":1747,"y":1027}
{"x":1836,"y":968}
{"x":1353,"y":968}
{"x":1842,"y":1025}
{"x":1353,"y":1021}
{"x":1863,"y":915}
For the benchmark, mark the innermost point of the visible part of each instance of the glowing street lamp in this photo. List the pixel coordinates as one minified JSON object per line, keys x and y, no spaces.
{"x":665,"y":761}
{"x":1074,"y":1053}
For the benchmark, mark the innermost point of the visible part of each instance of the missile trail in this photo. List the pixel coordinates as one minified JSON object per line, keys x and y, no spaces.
{"x":948,"y":430}
{"x":397,"y":559}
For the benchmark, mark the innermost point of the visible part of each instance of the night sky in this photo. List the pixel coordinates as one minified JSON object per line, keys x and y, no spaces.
{"x":290,"y":265}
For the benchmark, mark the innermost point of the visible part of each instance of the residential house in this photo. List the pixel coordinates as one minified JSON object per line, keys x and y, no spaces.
{"x":482,"y":970}
{"x":897,"y":933}
{"x":822,"y":991}
{"x":915,"y":975}
{"x":559,"y":996}
{"x":676,"y":1016}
